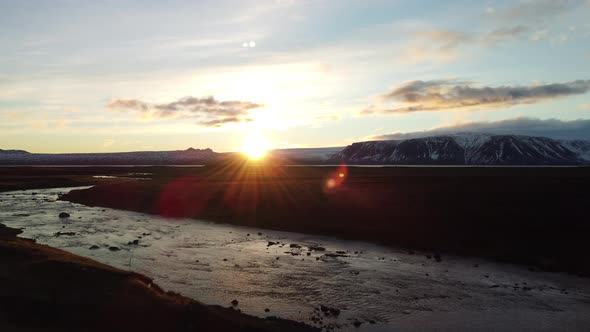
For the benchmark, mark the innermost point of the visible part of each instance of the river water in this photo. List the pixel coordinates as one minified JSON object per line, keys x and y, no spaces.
{"x":382,"y":288}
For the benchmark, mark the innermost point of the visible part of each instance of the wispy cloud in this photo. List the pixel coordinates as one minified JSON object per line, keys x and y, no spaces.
{"x":525,"y":20}
{"x":503,"y":34}
{"x":538,"y":10}
{"x":440,"y":95}
{"x":554,"y":128}
{"x":533,"y":15}
{"x":434,"y":46}
{"x":211,"y":112}
{"x":448,"y":45}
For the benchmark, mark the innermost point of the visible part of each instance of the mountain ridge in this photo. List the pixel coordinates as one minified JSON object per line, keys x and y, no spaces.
{"x":468,"y":149}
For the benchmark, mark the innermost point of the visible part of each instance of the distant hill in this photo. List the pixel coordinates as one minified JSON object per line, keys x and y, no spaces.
{"x":14,"y":152}
{"x":181,"y":157}
{"x":468,"y":149}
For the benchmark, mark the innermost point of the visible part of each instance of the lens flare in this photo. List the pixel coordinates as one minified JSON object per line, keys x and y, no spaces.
{"x":336,"y":179}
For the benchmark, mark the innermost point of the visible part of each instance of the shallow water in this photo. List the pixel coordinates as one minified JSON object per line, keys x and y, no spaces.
{"x":380,"y":287}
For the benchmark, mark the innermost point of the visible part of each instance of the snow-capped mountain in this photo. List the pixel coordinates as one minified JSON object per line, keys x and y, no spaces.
{"x":180,"y":157}
{"x":468,"y":149}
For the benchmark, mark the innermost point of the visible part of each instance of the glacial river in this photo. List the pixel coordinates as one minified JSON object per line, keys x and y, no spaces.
{"x":381,"y":288}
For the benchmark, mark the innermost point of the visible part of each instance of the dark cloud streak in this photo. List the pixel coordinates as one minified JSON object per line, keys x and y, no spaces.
{"x":215,"y":113}
{"x":440,"y":95}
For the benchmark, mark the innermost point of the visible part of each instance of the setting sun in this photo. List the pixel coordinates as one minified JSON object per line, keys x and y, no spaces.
{"x":255,"y":147}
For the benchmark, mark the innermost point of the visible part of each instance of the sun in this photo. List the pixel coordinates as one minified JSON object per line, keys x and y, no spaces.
{"x":255,"y":147}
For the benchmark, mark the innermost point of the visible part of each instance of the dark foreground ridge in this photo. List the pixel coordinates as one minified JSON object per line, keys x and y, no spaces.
{"x":51,"y":290}
{"x":535,"y":216}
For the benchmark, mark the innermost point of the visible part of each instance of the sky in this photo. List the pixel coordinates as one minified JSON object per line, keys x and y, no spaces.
{"x":99,"y":76}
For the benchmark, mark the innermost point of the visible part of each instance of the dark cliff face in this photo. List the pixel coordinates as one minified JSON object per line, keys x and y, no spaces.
{"x":439,"y":150}
{"x":466,"y":149}
{"x":519,"y":150}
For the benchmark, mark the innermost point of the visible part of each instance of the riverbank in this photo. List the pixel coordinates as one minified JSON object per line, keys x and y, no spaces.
{"x":50,"y":289}
{"x":530,"y":216}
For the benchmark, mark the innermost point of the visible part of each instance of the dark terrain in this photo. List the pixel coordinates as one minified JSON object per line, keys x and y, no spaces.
{"x":51,"y":290}
{"x":535,"y":216}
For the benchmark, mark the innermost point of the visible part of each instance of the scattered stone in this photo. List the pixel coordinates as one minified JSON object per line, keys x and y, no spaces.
{"x":235,"y":302}
{"x":114,"y":248}
{"x":259,"y":233}
{"x":294,"y":245}
{"x":309,"y":254}
{"x":277,"y":258}
{"x":335,"y":255}
{"x":329,"y":311}
{"x":64,"y":215}
{"x":342,"y":252}
{"x":94,"y":247}
{"x":357,"y":323}
{"x":437,"y":257}
{"x":266,"y":310}
{"x":58,"y":234}
{"x":225,"y":259}
{"x":494,"y":286}
{"x":248,"y":234}
{"x":271,"y":243}
{"x":134,"y":242}
{"x":316,"y":248}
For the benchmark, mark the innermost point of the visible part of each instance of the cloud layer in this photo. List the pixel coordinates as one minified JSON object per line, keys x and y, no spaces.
{"x":209,"y":111}
{"x":440,"y":95}
{"x":554,"y":128}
